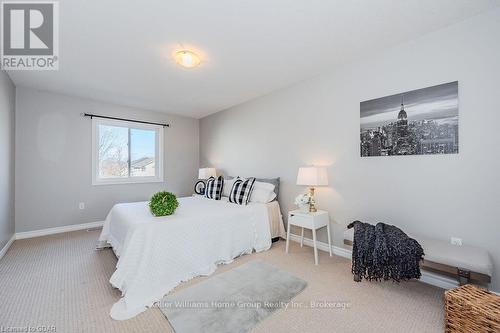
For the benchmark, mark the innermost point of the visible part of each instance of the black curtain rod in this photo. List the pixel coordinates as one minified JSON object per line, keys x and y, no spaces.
{"x":123,"y":119}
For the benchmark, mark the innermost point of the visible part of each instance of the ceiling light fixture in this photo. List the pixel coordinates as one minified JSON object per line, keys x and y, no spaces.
{"x":187,"y":58}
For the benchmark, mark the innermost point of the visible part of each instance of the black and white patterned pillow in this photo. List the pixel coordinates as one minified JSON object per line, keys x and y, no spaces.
{"x":241,"y":190}
{"x":213,"y":189}
{"x":199,"y":187}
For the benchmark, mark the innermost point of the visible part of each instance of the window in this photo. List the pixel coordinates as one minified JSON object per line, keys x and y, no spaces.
{"x":126,"y":152}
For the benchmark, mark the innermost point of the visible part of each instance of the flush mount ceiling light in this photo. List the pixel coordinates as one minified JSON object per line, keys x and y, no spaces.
{"x":187,"y":58}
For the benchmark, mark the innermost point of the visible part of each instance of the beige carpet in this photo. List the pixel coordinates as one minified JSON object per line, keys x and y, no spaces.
{"x":60,"y":280}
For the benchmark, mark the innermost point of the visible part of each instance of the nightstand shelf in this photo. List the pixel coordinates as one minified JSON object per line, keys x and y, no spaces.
{"x":313,"y":221}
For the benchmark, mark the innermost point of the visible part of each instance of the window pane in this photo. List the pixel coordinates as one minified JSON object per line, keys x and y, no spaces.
{"x":143,"y":151}
{"x":113,"y":151}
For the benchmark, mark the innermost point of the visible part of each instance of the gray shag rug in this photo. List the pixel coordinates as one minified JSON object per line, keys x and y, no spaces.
{"x":234,"y":301}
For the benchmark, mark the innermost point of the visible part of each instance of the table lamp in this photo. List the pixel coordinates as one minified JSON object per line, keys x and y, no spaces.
{"x":312,"y":176}
{"x":205,"y":173}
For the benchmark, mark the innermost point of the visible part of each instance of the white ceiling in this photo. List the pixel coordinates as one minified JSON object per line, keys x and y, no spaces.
{"x":120,"y":51}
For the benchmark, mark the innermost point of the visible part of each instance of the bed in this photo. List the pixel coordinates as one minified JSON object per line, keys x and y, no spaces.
{"x":158,"y":253}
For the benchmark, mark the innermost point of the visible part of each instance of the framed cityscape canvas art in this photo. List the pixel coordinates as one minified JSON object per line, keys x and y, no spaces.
{"x":417,"y":122}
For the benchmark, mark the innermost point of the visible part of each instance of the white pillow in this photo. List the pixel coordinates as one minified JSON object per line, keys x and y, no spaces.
{"x":262,"y":192}
{"x":228,"y":185}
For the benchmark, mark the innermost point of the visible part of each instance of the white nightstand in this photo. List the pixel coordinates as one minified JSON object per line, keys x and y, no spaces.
{"x":313,"y":221}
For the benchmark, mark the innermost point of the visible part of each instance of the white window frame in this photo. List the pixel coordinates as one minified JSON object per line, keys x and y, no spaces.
{"x":96,"y":122}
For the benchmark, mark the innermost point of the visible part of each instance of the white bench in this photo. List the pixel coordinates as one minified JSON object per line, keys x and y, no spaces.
{"x":465,"y":263}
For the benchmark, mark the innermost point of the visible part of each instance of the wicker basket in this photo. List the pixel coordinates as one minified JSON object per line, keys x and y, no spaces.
{"x":471,"y":309}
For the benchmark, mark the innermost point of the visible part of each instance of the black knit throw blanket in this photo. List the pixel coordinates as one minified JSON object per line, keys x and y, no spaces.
{"x":384,"y":252}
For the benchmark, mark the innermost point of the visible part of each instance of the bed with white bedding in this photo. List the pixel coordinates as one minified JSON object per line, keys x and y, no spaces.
{"x":157,"y":253}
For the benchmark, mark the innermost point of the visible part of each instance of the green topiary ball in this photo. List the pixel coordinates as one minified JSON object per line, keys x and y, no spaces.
{"x":163,"y":204}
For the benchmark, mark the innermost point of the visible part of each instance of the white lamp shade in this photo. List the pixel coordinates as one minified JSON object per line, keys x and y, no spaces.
{"x":206,"y":173}
{"x":312,"y":176}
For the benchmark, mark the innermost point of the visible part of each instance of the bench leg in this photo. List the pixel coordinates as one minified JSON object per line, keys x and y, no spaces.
{"x":357,"y":278}
{"x":463,"y":276}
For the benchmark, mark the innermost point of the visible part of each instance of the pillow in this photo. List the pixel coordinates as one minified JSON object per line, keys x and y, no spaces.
{"x":228,"y":185}
{"x":274,"y":181}
{"x":241,"y":191}
{"x":262,"y":192}
{"x":199,"y":187}
{"x":214,"y":187}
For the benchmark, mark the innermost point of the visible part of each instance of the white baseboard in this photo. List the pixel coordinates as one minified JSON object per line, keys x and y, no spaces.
{"x":339,"y":251}
{"x":427,"y":277}
{"x":58,"y":230}
{"x":438,"y":280}
{"x":7,"y":246}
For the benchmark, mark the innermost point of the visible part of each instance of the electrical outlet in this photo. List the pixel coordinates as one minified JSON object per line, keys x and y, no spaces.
{"x":81,"y":205}
{"x":456,"y":241}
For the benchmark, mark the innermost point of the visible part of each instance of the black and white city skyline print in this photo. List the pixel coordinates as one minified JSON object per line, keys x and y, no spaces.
{"x":417,"y":122}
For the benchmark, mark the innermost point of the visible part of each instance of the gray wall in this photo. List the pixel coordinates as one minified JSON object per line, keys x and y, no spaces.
{"x":7,"y":121}
{"x":53,"y":160}
{"x":317,"y":122}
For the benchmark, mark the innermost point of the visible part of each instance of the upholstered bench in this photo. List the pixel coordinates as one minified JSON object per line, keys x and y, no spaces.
{"x":465,"y":263}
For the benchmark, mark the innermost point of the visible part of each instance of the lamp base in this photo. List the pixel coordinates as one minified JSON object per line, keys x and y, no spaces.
{"x":312,"y":203}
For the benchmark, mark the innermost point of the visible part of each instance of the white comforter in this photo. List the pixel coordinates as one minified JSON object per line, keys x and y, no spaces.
{"x":158,"y":253}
